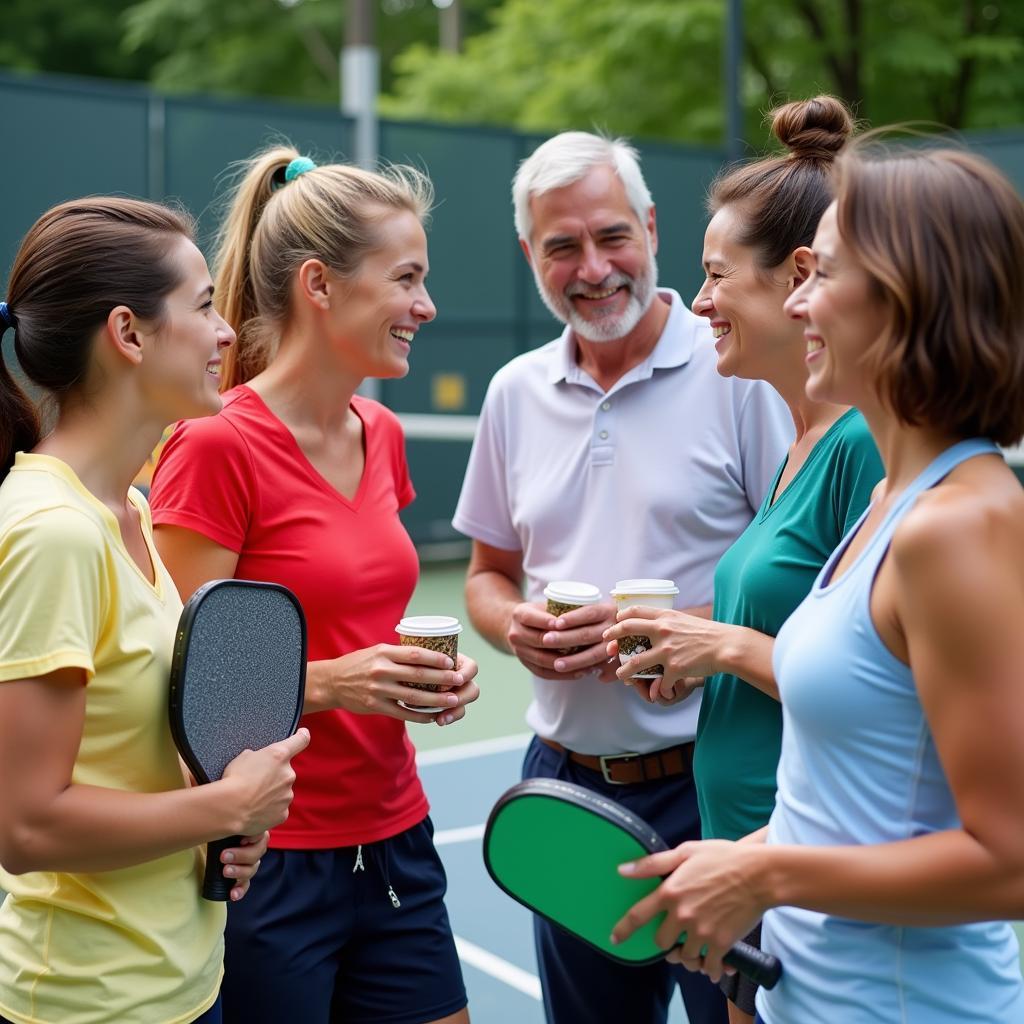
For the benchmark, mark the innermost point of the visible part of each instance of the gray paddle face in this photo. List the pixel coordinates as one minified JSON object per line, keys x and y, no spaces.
{"x":238,"y":673}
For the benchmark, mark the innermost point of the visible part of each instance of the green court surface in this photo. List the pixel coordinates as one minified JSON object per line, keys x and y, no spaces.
{"x":504,"y":685}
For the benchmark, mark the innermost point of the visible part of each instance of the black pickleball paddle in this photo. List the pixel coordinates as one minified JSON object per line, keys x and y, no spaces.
{"x":554,"y":847}
{"x":237,"y":680}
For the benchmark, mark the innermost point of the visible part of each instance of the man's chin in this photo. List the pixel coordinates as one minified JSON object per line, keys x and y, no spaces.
{"x":604,"y":329}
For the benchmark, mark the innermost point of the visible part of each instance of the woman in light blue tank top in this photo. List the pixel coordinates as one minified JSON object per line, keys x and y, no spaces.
{"x":896,"y":850}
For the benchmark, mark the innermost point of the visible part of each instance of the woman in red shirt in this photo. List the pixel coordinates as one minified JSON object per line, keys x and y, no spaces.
{"x":300,"y":480}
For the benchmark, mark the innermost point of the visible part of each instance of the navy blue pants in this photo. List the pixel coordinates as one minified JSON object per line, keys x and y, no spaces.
{"x":580,"y":985}
{"x":355,"y":935}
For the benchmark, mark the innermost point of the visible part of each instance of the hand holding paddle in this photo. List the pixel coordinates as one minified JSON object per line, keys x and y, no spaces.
{"x":704,"y":902}
{"x":237,"y":681}
{"x":264,"y":780}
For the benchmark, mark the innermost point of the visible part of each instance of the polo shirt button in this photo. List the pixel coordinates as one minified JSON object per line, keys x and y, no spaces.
{"x":603,"y":435}
{"x":606,"y":406}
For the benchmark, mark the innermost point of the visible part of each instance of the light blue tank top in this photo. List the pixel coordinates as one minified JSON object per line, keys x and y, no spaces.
{"x":859,"y":766}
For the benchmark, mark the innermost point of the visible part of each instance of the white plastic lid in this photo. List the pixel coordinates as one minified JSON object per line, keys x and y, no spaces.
{"x":428,"y":625}
{"x":571,"y":592}
{"x":624,"y":587}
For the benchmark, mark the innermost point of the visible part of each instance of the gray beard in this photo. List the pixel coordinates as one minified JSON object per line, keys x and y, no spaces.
{"x":612,"y":327}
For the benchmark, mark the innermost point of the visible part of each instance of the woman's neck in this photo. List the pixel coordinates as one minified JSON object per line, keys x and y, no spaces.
{"x":905,"y":450}
{"x":305,"y":389}
{"x":105,"y":445}
{"x":789,"y":379}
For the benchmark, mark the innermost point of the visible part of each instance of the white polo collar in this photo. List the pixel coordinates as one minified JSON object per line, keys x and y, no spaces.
{"x":674,"y":347}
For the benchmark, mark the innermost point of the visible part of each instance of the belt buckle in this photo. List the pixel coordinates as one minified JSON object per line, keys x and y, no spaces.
{"x":606,"y":759}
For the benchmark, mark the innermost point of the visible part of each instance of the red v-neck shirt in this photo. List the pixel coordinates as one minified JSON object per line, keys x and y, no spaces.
{"x":241,"y":479}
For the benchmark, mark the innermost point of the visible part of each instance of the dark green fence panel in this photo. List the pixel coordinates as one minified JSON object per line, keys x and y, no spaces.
{"x":1005,"y":150}
{"x":678,"y":177}
{"x":66,"y":138}
{"x":78,"y":136}
{"x":437,"y":469}
{"x":475,"y":264}
{"x":204,"y":138}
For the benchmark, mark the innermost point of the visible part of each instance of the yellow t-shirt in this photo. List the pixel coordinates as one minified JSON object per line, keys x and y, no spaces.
{"x":137,"y":945}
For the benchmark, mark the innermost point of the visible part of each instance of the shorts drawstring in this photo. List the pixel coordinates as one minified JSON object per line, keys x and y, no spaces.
{"x":382,"y":859}
{"x":392,"y":895}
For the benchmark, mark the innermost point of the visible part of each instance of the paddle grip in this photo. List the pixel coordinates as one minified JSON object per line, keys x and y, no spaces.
{"x":755,"y":964}
{"x":215,"y":885}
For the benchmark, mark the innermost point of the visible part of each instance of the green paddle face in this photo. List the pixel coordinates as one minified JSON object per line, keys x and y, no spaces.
{"x":560,"y":860}
{"x":555,"y":847}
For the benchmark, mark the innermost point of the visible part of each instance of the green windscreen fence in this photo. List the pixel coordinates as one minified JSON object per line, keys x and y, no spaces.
{"x":78,"y":136}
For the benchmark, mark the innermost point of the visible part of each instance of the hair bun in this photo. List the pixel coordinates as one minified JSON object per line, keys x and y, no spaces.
{"x":815,"y":129}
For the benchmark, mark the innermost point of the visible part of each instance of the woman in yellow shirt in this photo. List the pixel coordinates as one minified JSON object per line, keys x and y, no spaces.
{"x":110,"y":305}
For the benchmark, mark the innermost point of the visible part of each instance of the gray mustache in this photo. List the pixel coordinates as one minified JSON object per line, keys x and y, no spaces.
{"x":612,"y":281}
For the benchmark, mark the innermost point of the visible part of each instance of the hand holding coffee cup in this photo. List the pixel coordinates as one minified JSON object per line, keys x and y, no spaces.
{"x":650,"y":593}
{"x":566,"y":596}
{"x":434,"y":633}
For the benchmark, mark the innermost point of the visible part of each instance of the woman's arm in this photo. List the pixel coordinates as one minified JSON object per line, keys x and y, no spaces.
{"x":951,"y":594}
{"x":369,"y":681}
{"x":689,"y":645}
{"x":49,"y":823}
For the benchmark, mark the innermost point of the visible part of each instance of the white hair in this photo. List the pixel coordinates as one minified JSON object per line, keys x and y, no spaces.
{"x":565,"y":159}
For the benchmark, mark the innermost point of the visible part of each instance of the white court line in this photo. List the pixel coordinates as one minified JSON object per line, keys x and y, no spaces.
{"x":467,"y":833}
{"x":496,"y":967}
{"x":478,"y":748}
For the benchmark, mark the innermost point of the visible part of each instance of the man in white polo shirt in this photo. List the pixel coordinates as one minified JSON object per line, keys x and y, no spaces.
{"x":614,"y":452}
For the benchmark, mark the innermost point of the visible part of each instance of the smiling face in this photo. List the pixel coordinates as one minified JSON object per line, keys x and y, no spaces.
{"x":842,"y":315}
{"x":182,"y":365}
{"x":375,"y":315}
{"x":593,"y":261}
{"x":744,"y":303}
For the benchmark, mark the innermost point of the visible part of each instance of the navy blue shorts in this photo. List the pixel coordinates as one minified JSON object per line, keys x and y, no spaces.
{"x":580,"y":985}
{"x":354,"y":935}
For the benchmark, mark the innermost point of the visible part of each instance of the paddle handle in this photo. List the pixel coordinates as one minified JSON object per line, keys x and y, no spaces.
{"x":215,"y":885}
{"x":757,"y":965}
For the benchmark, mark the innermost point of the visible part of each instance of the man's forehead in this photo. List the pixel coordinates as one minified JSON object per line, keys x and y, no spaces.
{"x":578,"y":212}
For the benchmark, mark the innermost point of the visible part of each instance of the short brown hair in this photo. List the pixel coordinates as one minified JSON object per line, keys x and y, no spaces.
{"x":941,"y":233}
{"x":783,"y":197}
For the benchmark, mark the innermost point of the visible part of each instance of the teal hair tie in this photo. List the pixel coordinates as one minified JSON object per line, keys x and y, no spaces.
{"x":298,"y":166}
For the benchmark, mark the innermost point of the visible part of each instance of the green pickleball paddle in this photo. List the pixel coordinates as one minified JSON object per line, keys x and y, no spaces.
{"x":554,"y":847}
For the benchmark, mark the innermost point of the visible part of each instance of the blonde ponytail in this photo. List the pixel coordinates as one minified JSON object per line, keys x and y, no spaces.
{"x":331,"y":213}
{"x":233,"y":285}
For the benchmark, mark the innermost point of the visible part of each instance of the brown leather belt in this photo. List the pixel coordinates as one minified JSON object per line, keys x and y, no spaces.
{"x":626,"y":769}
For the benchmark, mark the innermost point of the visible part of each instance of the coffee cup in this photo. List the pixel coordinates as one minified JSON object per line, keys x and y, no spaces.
{"x":435,"y":633}
{"x":651,"y":594}
{"x":565,"y":596}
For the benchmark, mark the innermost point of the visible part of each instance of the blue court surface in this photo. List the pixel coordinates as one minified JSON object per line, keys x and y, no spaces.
{"x":465,"y":768}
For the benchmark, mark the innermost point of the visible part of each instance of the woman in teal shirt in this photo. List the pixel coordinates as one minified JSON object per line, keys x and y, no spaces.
{"x":756,"y":253}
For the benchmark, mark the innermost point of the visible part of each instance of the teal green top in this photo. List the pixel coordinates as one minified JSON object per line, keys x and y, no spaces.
{"x":759,"y":582}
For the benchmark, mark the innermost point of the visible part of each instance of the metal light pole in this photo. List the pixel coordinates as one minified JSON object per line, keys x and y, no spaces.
{"x":360,"y":84}
{"x":734,"y":134}
{"x":360,"y":77}
{"x":449,"y":18}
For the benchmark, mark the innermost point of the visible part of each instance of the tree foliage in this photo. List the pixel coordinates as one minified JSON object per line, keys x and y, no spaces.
{"x":641,"y":67}
{"x":82,"y":38}
{"x":654,"y":67}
